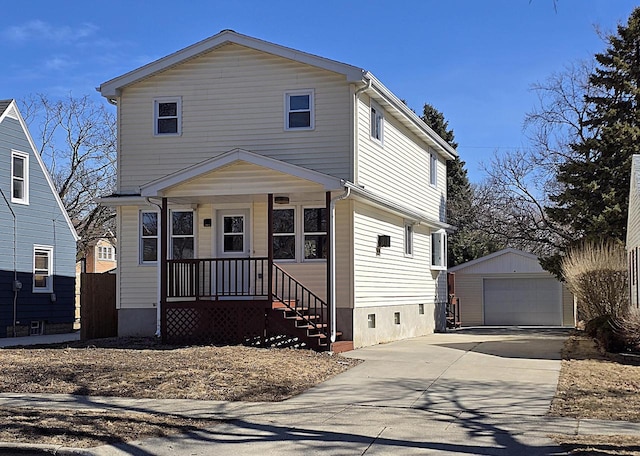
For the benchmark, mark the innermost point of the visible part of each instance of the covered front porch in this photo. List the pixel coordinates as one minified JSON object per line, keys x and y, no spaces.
{"x":245,"y":253}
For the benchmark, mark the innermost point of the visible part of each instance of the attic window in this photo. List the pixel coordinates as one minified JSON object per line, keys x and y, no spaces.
{"x":299,"y":110}
{"x":167,"y":116}
{"x":19,"y":178}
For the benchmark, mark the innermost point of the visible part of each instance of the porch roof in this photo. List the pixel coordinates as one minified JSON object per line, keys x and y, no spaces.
{"x":158,"y":187}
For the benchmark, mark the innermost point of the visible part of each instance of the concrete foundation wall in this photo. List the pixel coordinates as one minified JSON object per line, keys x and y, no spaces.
{"x":412,"y":323}
{"x":136,"y":322}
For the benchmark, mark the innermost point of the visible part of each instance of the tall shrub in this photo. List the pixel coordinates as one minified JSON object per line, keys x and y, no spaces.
{"x":596,"y":273}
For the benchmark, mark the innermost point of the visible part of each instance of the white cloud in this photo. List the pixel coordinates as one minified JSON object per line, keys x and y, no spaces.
{"x":42,"y":31}
{"x":57,"y":63}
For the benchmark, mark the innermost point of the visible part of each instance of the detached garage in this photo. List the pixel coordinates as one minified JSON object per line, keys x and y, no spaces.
{"x":510,"y":288}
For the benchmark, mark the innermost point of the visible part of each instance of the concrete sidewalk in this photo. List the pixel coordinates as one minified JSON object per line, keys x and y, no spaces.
{"x":45,"y":339}
{"x":457,"y":393}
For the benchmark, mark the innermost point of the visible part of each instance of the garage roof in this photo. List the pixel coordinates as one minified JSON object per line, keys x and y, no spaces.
{"x":507,"y":261}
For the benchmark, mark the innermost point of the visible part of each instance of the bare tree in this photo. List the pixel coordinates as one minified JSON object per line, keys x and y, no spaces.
{"x":77,"y":141}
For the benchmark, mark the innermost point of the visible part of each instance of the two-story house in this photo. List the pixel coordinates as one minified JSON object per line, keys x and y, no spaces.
{"x":37,"y":238}
{"x":261,"y":187}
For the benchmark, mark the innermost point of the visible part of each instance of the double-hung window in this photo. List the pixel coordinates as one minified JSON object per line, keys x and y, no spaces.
{"x":148,"y":237}
{"x":19,"y":178}
{"x":42,"y":269}
{"x":438,"y":250}
{"x":377,"y":123}
{"x":284,"y":234}
{"x":315,"y":233}
{"x":299,"y":110}
{"x":167,"y":116}
{"x":182,"y":237}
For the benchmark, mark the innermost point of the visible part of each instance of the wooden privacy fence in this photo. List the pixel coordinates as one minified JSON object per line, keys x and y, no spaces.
{"x":98,"y":315}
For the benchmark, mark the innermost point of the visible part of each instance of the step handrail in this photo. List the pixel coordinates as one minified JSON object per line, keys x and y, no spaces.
{"x":287,"y":289}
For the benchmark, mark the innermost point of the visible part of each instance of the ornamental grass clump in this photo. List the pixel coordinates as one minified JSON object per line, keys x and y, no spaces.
{"x":596,"y":273}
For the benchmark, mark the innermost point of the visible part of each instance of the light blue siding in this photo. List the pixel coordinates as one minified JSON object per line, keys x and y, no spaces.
{"x":41,"y":222}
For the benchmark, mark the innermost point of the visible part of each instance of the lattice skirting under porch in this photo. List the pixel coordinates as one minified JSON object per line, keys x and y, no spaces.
{"x":214,"y":322}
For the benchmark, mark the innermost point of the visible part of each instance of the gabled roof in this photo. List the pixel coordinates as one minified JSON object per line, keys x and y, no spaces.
{"x":508,"y":251}
{"x":156,"y":187}
{"x":9,"y":108}
{"x":112,"y":88}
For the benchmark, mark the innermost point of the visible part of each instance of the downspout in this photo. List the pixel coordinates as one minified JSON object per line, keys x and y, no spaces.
{"x":16,"y":285}
{"x":158,"y":270}
{"x":332,"y":227}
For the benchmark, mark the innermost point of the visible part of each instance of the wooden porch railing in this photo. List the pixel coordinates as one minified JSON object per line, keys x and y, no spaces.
{"x":311,"y":309}
{"x":215,"y":278}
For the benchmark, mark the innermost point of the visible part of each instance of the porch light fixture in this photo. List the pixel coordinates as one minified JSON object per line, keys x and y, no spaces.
{"x":281,"y":199}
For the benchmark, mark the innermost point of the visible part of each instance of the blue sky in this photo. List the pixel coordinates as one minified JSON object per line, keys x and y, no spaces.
{"x":474,"y":60}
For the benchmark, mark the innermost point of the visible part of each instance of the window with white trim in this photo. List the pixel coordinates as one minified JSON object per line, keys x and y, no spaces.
{"x":433,"y":169}
{"x":182,"y":237}
{"x":284,"y":234}
{"x":105,"y":253}
{"x":439,"y":250}
{"x":299,"y":110}
{"x":42,"y":269}
{"x":408,"y":239}
{"x":315,"y":233}
{"x":148,"y":237}
{"x":19,"y":177}
{"x":167,"y":113}
{"x":377,"y":122}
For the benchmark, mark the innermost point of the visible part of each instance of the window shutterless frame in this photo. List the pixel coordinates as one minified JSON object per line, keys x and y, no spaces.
{"x":299,"y":107}
{"x":376,"y":123}
{"x":438,"y":249}
{"x":149,"y":237}
{"x":167,"y":116}
{"x":42,"y":269}
{"x":433,"y":169}
{"x":408,"y":239}
{"x":19,"y":177}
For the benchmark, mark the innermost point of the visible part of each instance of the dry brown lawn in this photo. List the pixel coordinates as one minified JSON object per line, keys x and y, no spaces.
{"x":598,"y":385}
{"x":142,"y":368}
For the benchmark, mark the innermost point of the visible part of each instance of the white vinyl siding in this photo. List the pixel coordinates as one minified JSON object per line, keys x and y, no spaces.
{"x":400,"y":170}
{"x":233,"y":97}
{"x":137,"y":283}
{"x":412,"y":281}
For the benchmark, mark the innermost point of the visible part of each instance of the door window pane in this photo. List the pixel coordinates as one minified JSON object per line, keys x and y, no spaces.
{"x":315,"y":233}
{"x":284,"y":236}
{"x":182,"y":239}
{"x":233,"y":234}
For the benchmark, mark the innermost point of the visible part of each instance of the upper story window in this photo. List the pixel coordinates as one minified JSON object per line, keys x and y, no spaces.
{"x":284,"y":234}
{"x":298,"y":113}
{"x":148,"y":237}
{"x":377,"y":122}
{"x":438,"y":250}
{"x":105,"y":253}
{"x":167,"y":116}
{"x":19,"y":178}
{"x":42,"y":269}
{"x":433,"y":169}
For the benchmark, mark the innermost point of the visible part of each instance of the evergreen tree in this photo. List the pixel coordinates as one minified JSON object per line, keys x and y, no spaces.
{"x":593,"y":195}
{"x":464,"y":244}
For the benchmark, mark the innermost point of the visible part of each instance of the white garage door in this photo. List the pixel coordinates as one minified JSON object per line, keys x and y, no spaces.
{"x":518,"y":301}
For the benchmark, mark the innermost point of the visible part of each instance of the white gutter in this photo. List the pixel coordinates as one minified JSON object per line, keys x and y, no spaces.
{"x":332,"y":258}
{"x":158,"y":271}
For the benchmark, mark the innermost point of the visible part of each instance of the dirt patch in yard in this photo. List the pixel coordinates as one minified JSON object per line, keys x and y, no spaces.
{"x":595,"y":384}
{"x":598,"y":385}
{"x":143,"y":368}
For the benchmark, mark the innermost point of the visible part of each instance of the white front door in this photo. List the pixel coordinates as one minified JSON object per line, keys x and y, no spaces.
{"x":232,"y":245}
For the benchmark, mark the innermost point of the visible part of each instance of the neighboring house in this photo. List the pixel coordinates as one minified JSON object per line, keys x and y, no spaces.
{"x":259,"y":176}
{"x":510,"y":287}
{"x":633,"y":232}
{"x":37,"y":239}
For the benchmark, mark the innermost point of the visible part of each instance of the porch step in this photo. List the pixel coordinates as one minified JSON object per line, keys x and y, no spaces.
{"x":283,"y":305}
{"x":342,"y":346}
{"x":305,"y":318}
{"x":292,"y":309}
